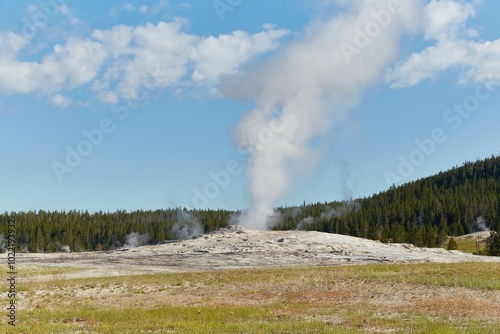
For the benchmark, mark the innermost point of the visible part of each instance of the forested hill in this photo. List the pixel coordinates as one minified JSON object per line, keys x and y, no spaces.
{"x":462,"y":200}
{"x":459,"y":201}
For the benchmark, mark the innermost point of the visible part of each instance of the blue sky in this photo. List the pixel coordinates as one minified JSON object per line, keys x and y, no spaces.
{"x":150,"y":71}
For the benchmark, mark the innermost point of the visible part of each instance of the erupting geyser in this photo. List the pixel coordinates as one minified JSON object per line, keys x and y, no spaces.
{"x":297,"y":92}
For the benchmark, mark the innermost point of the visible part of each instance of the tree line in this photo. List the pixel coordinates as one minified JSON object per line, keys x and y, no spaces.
{"x":46,"y":231}
{"x":462,"y":200}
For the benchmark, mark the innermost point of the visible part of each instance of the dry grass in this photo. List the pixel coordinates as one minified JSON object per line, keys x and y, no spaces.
{"x":416,"y":298}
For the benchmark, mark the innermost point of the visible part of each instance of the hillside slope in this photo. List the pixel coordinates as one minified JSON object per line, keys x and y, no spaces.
{"x":459,"y":201}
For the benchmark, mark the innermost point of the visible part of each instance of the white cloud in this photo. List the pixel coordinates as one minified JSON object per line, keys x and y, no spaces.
{"x":446,"y":18}
{"x":68,"y":66}
{"x":60,"y":101}
{"x":64,"y":9}
{"x":117,"y":62}
{"x":117,"y":40}
{"x":144,"y":9}
{"x":129,"y":7}
{"x":162,"y":56}
{"x":224,"y":54}
{"x":11,"y":43}
{"x":151,"y":56}
{"x":455,"y":48}
{"x":33,"y":8}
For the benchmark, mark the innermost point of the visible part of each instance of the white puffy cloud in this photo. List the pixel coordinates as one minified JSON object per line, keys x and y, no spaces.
{"x":162,"y":52}
{"x":68,"y":66}
{"x":10,"y":44}
{"x":224,"y":54}
{"x":446,"y":18}
{"x":163,"y":56}
{"x":455,"y":47}
{"x":150,"y":56}
{"x":74,"y":64}
{"x":117,"y":62}
{"x":60,"y":101}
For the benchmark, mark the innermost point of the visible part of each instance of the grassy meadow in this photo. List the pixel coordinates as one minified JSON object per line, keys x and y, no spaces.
{"x":390,"y":298}
{"x":469,"y":245}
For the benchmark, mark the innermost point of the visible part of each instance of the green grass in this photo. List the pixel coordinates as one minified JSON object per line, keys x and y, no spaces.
{"x":469,"y":245}
{"x":219,"y":319}
{"x":474,"y":275}
{"x":224,"y":319}
{"x":343,"y":299}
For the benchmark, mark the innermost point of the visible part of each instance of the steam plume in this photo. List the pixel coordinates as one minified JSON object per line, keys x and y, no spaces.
{"x":341,"y":211}
{"x":135,"y":239}
{"x":304,"y":223}
{"x":187,"y":226}
{"x":481,"y":224}
{"x":307,"y":84}
{"x":62,"y":248}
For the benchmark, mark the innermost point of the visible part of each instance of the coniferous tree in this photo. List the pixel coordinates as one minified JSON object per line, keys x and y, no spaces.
{"x":493,"y":243}
{"x":452,"y":244}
